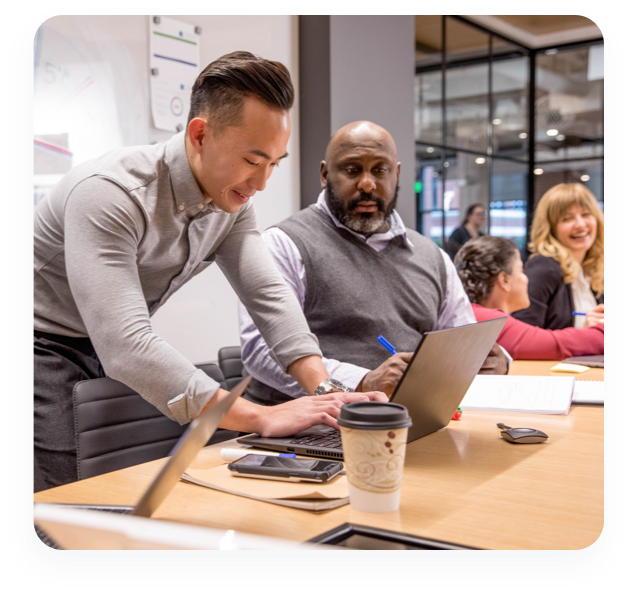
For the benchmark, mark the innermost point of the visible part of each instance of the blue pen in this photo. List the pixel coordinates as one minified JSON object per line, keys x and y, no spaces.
{"x":387,"y":345}
{"x":579,"y":313}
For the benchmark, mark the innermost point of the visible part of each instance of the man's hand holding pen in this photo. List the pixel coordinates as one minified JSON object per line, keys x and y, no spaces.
{"x":386,"y":377}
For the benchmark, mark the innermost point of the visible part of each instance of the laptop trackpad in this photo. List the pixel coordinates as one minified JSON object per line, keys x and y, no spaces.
{"x":317,"y":430}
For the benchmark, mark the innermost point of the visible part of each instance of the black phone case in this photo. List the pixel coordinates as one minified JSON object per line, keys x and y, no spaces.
{"x":334,"y":468}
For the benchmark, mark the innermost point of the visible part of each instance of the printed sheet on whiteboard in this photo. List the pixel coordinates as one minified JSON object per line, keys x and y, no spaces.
{"x":174,"y":53}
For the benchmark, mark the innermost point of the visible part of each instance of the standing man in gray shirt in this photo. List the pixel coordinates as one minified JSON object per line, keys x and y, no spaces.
{"x":120,"y":234}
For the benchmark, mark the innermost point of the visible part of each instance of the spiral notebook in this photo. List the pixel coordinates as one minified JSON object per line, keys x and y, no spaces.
{"x":524,"y":394}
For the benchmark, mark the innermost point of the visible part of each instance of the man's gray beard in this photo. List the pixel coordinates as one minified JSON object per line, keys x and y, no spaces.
{"x":365,"y":225}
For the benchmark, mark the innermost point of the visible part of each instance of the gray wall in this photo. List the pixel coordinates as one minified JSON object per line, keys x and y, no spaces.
{"x":357,"y":68}
{"x":314,"y":87}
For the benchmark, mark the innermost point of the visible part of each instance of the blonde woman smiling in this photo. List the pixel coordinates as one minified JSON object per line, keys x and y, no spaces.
{"x":566,"y":269}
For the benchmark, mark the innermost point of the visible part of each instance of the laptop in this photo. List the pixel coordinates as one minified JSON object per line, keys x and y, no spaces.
{"x":92,"y":530}
{"x":436,"y":380}
{"x":593,"y":361}
{"x":190,"y":443}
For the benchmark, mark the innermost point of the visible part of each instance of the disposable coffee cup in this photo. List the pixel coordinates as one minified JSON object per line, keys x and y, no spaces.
{"x":374,"y":436}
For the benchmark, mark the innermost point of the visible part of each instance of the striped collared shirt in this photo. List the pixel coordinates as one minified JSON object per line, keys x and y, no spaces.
{"x":455,"y":311}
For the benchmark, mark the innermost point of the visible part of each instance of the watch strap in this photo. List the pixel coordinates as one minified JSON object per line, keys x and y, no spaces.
{"x":330,"y":385}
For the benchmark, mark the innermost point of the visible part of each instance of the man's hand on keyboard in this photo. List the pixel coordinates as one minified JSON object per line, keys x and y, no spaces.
{"x":304,"y":412}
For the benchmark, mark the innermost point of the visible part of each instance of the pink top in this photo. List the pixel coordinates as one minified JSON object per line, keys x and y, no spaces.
{"x":524,"y":341}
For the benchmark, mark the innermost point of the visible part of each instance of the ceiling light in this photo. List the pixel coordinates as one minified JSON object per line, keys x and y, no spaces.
{"x":446,"y":164}
{"x":561,"y":137}
{"x":552,"y":132}
{"x":523,"y":135}
{"x":480,"y":160}
{"x":538,"y":171}
{"x":496,"y":122}
{"x":584,"y":178}
{"x":430,"y":149}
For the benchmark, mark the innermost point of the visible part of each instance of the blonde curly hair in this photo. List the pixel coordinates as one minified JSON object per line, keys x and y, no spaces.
{"x":552,"y":206}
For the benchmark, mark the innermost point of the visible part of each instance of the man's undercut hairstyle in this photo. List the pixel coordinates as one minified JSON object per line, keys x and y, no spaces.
{"x":479,"y":263}
{"x":221,"y":89}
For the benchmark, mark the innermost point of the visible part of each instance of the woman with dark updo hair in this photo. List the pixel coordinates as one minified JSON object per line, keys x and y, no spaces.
{"x":493,"y":277}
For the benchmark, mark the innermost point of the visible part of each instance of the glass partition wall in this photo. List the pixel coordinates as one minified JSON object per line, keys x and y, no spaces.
{"x":498,"y":124}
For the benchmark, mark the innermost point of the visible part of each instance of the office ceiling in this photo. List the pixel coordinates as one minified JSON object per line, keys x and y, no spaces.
{"x":533,"y":31}
{"x":536,"y":31}
{"x":545,"y":24}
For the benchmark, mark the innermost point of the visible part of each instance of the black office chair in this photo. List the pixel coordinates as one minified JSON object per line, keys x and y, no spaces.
{"x":117,"y":428}
{"x":39,"y":483}
{"x":231,"y":365}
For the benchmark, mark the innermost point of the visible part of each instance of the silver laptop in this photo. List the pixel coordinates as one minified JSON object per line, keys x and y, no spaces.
{"x":190,"y":443}
{"x":593,"y":361}
{"x":432,"y":387}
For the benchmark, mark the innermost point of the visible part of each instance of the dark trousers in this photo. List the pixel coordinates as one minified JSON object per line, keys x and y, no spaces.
{"x":60,"y":362}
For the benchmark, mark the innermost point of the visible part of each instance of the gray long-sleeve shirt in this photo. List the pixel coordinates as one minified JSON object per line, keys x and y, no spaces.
{"x":118,"y":236}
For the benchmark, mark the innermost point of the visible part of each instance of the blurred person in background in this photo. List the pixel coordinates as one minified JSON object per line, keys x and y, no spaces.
{"x":469,"y":230}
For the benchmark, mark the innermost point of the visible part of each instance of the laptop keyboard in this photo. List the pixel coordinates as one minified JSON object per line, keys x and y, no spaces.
{"x":46,"y":539}
{"x":330,"y":439}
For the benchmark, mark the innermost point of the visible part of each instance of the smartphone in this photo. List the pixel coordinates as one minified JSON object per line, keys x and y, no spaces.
{"x":284,"y":468}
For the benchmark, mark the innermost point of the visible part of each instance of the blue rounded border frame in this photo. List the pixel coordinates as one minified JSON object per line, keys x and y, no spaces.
{"x":261,"y":568}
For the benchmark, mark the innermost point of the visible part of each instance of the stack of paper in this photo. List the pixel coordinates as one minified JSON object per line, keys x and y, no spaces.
{"x":589,"y":392}
{"x":526,"y":394}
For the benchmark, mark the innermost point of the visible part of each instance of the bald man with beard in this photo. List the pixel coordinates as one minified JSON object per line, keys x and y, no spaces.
{"x":358,"y":273}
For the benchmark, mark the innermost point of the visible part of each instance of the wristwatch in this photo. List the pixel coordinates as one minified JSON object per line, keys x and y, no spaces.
{"x":330,"y":385}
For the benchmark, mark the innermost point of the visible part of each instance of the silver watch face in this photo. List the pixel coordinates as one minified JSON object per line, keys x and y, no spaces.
{"x":330,"y":385}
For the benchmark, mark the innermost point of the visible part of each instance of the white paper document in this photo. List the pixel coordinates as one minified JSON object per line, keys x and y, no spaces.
{"x":174,"y":54}
{"x":526,"y":394}
{"x":590,"y":392}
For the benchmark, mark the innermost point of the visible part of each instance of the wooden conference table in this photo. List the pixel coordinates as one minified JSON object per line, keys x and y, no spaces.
{"x":462,"y":484}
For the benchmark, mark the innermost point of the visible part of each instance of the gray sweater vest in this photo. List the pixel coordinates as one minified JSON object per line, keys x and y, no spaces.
{"x":354,"y":293}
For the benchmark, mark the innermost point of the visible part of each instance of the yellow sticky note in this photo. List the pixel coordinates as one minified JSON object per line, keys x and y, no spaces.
{"x":572,"y":368}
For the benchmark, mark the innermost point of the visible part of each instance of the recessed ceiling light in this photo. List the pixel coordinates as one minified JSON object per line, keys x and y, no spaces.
{"x":480,"y":160}
{"x":523,"y":135}
{"x":560,"y":136}
{"x":538,"y":171}
{"x":584,"y":178}
{"x":496,"y":122}
{"x":552,"y":132}
{"x":446,"y":164}
{"x":430,"y":149}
